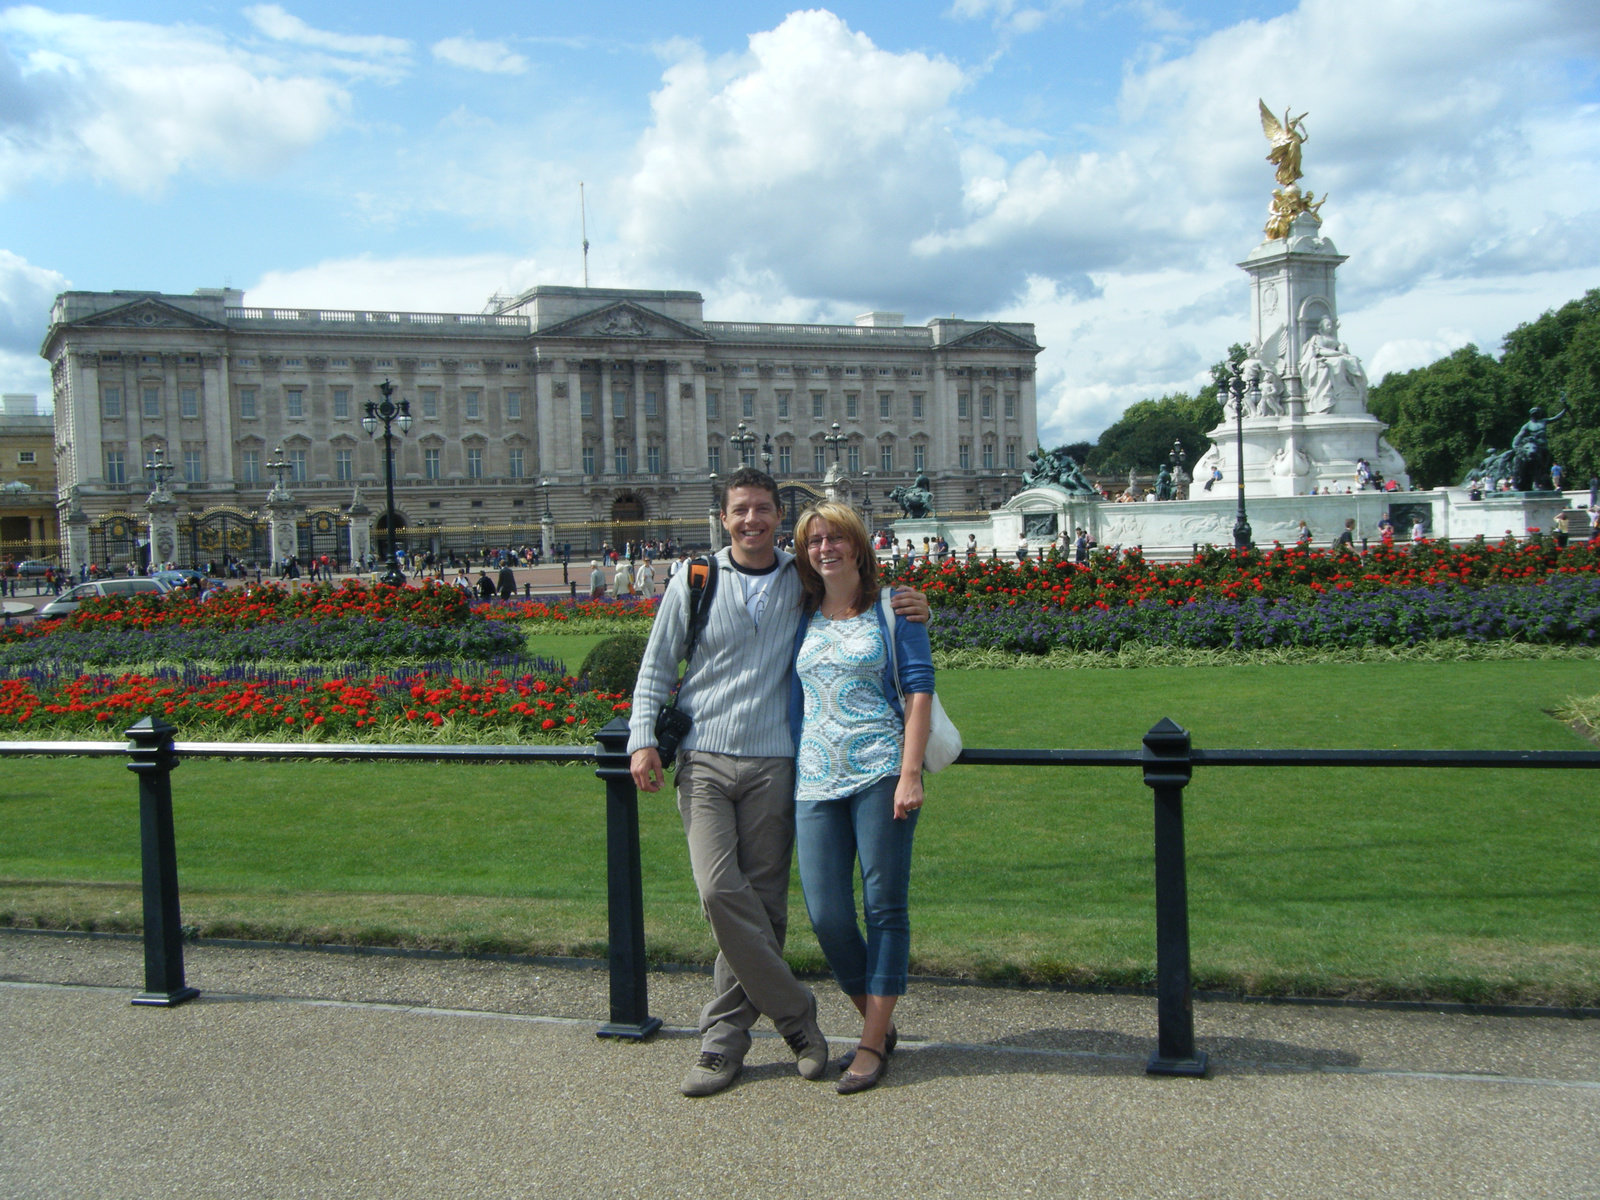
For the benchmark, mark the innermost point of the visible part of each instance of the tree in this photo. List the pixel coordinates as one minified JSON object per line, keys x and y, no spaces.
{"x":1560,"y":352}
{"x":1444,"y":417}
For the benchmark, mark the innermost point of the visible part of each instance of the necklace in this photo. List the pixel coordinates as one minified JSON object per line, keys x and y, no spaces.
{"x":838,"y":614}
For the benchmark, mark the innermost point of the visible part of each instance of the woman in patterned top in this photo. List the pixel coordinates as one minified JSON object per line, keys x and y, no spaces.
{"x":858,"y":771}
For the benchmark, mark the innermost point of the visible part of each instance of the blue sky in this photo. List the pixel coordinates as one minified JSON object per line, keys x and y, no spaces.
{"x":1095,"y":168}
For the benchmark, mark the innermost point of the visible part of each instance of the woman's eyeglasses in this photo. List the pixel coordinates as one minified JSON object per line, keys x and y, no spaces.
{"x":826,"y":539}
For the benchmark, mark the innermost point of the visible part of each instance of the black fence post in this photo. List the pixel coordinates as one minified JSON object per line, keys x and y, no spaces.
{"x":630,"y":1000}
{"x":153,"y":762}
{"x":1167,"y":770}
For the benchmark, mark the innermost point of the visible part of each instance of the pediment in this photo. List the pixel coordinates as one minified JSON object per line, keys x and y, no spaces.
{"x":623,"y":320}
{"x":147,"y":313}
{"x":991,"y":337}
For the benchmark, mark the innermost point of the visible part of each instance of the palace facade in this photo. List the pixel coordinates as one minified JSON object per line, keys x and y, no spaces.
{"x":601,"y":407}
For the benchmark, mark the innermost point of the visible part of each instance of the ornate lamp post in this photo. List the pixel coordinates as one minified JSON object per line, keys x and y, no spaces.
{"x":744,"y":439}
{"x":389,"y":414}
{"x":713,"y":526}
{"x":836,"y":439}
{"x":158,"y":469}
{"x":766,"y":454}
{"x":545,"y":484}
{"x":1241,"y":525}
{"x":866,"y":488}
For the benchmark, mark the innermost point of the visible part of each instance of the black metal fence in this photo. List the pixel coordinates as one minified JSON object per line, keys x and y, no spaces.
{"x":1166,"y":759}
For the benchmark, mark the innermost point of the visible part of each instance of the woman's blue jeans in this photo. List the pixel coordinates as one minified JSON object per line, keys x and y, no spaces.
{"x":830,"y":836}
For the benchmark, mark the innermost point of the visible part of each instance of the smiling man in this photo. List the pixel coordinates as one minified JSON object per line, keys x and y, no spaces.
{"x":736,"y":776}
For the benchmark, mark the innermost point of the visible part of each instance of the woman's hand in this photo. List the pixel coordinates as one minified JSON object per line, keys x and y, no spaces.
{"x":908,"y":796}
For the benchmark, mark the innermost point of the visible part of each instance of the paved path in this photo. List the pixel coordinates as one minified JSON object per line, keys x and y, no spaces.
{"x":320,"y":1075}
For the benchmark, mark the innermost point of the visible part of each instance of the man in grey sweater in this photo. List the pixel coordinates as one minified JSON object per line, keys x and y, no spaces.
{"x":736,"y":776}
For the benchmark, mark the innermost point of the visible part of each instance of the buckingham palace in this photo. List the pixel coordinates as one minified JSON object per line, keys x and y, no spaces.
{"x":608,"y":413}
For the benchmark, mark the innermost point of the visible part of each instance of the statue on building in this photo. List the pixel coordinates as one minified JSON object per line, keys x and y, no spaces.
{"x":1286,"y":137}
{"x":1329,"y":373}
{"x":1056,"y":468}
{"x":1531,"y":448}
{"x":1287,"y":204}
{"x":915,"y":501}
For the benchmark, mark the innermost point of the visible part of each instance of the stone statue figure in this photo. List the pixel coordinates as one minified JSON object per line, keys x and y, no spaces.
{"x":1330,"y":373}
{"x":1531,"y":448}
{"x":1263,"y":388}
{"x":916,"y":501}
{"x":1164,"y":483}
{"x":1286,"y":138}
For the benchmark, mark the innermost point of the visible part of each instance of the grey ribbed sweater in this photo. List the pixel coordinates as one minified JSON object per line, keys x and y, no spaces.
{"x":737,"y":686}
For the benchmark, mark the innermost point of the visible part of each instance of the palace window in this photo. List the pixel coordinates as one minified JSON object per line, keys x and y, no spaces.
{"x":341,"y":403}
{"x":713,"y":404}
{"x":783,"y":405}
{"x":785,"y":460}
{"x":852,"y":405}
{"x":852,"y":459}
{"x":916,"y":406}
{"x":114,"y":467}
{"x":886,"y":456}
{"x":988,"y":455}
{"x":747,"y":403}
{"x":588,"y":460}
{"x":189,"y":402}
{"x":652,"y":401}
{"x":1011,"y":404}
{"x":819,"y":405}
{"x":474,"y":462}
{"x":294,"y":402}
{"x":247,"y":403}
{"x":987,"y":405}
{"x":513,"y":404}
{"x":472,"y":404}
{"x":621,"y":458}
{"x":652,"y":459}
{"x":111,"y":402}
{"x":819,"y":460}
{"x":297,"y":465}
{"x":344,"y":469}
{"x":514,"y":462}
{"x":714,"y":458}
{"x":430,"y":462}
{"x":885,"y":405}
{"x":250,"y":466}
{"x":152,"y":402}
{"x":964,"y":457}
{"x":919,"y":457}
{"x":430,"y":402}
{"x":586,"y":405}
{"x":963,"y":404}
{"x":192,"y":471}
{"x":619,"y":406}
{"x":1011,"y":456}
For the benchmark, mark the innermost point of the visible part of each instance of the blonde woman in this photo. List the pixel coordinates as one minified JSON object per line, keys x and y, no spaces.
{"x":858,"y":772}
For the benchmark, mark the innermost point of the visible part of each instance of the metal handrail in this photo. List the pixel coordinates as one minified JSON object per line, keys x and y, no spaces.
{"x":1166,"y":759}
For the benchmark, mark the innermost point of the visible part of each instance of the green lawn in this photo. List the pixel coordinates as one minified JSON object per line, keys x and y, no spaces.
{"x":1464,"y":884}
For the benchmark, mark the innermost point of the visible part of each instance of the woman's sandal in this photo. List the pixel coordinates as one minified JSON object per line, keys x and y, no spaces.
{"x":889,"y":1043}
{"x":851,"y":1081}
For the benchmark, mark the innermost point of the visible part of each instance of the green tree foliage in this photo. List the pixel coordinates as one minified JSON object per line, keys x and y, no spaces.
{"x":1446,"y":416}
{"x":1443,"y":418}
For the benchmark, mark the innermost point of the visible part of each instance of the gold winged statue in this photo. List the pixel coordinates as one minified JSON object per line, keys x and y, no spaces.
{"x":1286,"y":138}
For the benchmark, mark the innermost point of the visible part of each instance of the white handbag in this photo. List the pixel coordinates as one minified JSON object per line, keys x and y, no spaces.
{"x":944,"y":739}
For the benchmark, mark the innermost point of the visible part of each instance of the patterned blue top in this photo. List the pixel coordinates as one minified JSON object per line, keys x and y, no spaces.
{"x":851,"y":735}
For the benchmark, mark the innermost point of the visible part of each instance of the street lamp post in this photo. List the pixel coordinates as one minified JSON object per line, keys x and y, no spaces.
{"x":389,"y":414}
{"x":744,"y":439}
{"x":157,"y":468}
{"x":279,"y":466}
{"x":1241,"y":525}
{"x":766,"y":454}
{"x":836,"y":439}
{"x":866,"y":488}
{"x":545,"y":484}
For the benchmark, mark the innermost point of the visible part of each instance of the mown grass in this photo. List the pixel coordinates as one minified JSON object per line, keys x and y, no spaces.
{"x":1451,"y":884}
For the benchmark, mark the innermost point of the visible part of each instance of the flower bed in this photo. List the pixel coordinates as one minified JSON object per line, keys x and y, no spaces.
{"x":1282,"y":573}
{"x":351,"y":623}
{"x":399,"y":706}
{"x":1564,"y":611}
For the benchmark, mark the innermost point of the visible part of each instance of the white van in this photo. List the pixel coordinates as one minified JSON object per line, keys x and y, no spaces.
{"x":67,"y":603}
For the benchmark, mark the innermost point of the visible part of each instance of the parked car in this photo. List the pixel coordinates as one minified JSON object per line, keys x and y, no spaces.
{"x":179,"y":578}
{"x":67,"y":603}
{"x":33,"y":566}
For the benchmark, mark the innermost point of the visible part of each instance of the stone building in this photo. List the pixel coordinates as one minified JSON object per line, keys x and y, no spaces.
{"x":610,"y":409}
{"x":28,"y":527}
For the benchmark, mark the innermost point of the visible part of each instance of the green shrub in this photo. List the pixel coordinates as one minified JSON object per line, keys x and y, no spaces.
{"x":613,"y":665}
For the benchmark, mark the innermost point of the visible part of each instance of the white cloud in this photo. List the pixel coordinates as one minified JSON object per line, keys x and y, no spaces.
{"x":492,"y":57}
{"x":460,"y":283}
{"x":282,"y":26}
{"x":26,"y":293}
{"x":134,"y":103}
{"x":816,"y":155}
